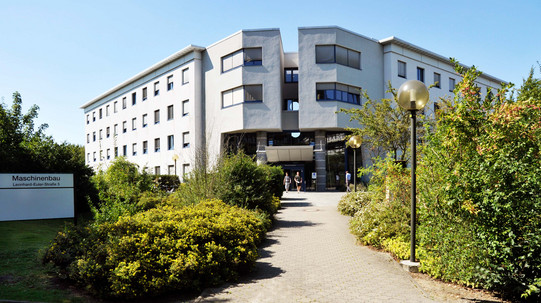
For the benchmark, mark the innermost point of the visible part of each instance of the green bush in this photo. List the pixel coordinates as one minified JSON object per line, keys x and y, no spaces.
{"x":160,"y":250}
{"x":275,"y":179}
{"x":166,"y":183}
{"x":352,"y":202}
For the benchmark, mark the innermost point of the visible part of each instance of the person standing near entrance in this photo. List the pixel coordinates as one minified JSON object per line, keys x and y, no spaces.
{"x":348,"y":179}
{"x":287,"y":182}
{"x":298,"y":181}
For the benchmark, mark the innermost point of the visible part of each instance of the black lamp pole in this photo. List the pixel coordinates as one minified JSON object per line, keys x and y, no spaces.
{"x":413,"y":181}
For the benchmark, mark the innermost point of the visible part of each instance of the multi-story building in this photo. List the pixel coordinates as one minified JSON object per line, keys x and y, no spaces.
{"x":245,"y":91}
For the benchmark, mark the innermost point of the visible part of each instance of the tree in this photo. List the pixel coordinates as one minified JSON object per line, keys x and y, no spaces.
{"x":531,"y":88}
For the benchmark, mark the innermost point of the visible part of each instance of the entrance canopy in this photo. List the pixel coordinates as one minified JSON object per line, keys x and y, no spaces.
{"x":289,"y":153}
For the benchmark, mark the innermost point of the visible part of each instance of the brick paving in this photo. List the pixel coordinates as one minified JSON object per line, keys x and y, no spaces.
{"x":310,"y":256}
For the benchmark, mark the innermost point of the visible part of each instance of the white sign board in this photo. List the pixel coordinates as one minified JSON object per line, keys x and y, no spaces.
{"x":36,"y":196}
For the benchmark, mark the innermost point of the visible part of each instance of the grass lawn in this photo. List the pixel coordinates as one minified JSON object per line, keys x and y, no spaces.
{"x":22,"y":276}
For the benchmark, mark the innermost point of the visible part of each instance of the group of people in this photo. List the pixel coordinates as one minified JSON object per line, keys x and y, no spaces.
{"x":297,"y":179}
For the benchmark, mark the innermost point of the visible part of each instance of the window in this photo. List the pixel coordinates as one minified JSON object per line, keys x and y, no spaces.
{"x":253,"y":93}
{"x":115,"y":107}
{"x":291,"y":75}
{"x":101,"y":113}
{"x":156,"y":88}
{"x":185,"y":169}
{"x":94,"y":156}
{"x":108,"y":153}
{"x":338,"y":54}
{"x":170,"y":142}
{"x":134,"y":149}
{"x":134,"y":124}
{"x":451,"y":84}
{"x":145,"y":147}
{"x":156,"y":170}
{"x":116,"y":152}
{"x":421,"y":74}
{"x":107,"y":111}
{"x":101,"y":134}
{"x":125,"y":150}
{"x":93,"y":136}
{"x":243,"y":57}
{"x":108,"y":132}
{"x":338,"y":92}
{"x":87,"y":138}
{"x":185,"y":139}
{"x":157,"y":116}
{"x":253,"y":56}
{"x":133,"y":98}
{"x":170,"y":82}
{"x":232,"y":97}
{"x":115,"y":130}
{"x":93,"y":116}
{"x":124,"y":127}
{"x":171,"y":169}
{"x":401,"y":69}
{"x":124,"y":103}
{"x":88,"y":157}
{"x":490,"y":96}
{"x":156,"y":145}
{"x":437,"y":80}
{"x":145,"y":120}
{"x":185,"y":76}
{"x":144,"y":93}
{"x":170,"y":114}
{"x":101,"y":155}
{"x":87,"y":119}
{"x":291,"y":105}
{"x":185,"y":108}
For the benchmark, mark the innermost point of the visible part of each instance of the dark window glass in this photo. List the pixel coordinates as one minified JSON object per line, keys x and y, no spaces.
{"x":253,"y":93}
{"x":253,"y":56}
{"x":341,"y":55}
{"x":421,"y":74}
{"x":354,"y":59}
{"x":325,"y":54}
{"x":401,"y":69}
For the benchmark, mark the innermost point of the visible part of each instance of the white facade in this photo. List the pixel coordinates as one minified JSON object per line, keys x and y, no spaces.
{"x":245,"y":89}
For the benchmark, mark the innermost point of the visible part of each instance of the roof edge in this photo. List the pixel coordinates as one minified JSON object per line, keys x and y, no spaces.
{"x":340,"y":28}
{"x":188,"y":49}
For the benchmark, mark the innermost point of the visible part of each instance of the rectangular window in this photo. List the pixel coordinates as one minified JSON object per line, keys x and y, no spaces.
{"x":133,"y":98}
{"x":101,"y":113}
{"x":291,"y":75}
{"x":93,"y":136}
{"x":253,"y":93}
{"x":170,"y":142}
{"x":232,"y":60}
{"x":101,"y":155}
{"x":186,"y":140}
{"x":253,"y":56}
{"x":185,"y":108}
{"x":421,"y":74}
{"x":124,"y":103}
{"x":93,"y":116}
{"x":185,"y":76}
{"x":156,"y":145}
{"x":87,"y":119}
{"x":94,"y":156}
{"x":170,"y":82}
{"x":124,"y":150}
{"x":87,"y":138}
{"x":107,"y":111}
{"x":101,"y":134}
{"x":338,"y":92}
{"x":134,"y":124}
{"x":156,"y":170}
{"x":156,"y":88}
{"x":170,"y":113}
{"x":291,"y":105}
{"x":185,"y":169}
{"x":144,"y":93}
{"x":134,"y":149}
{"x":437,"y":80}
{"x":88,"y":158}
{"x":401,"y":69}
{"x":145,"y":123}
{"x":108,"y":132}
{"x":108,"y":153}
{"x":157,"y":116}
{"x":145,"y":147}
{"x":116,"y":152}
{"x":124,"y":126}
{"x":171,"y":170}
{"x":451,"y":84}
{"x":338,"y":54}
{"x":115,"y":107}
{"x":115,"y":130}
{"x":232,"y":96}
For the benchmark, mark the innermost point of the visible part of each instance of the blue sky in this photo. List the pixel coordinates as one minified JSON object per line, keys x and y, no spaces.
{"x":61,"y":54}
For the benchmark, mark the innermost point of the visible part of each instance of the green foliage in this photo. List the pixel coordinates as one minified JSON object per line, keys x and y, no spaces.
{"x":352,"y":202}
{"x":531,"y":88}
{"x":160,"y":250}
{"x":166,"y":183}
{"x":274,"y":179}
{"x":479,"y":182}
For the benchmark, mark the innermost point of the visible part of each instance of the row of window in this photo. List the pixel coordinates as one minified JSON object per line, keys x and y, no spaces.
{"x":171,"y":169}
{"x":338,"y":92}
{"x":242,"y":57}
{"x":421,"y":76}
{"x":144,"y":147}
{"x":144,"y":122}
{"x":338,"y":54}
{"x":144,"y":92}
{"x":245,"y":93}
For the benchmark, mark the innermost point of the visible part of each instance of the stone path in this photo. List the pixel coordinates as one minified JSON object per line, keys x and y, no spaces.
{"x":310,"y":256}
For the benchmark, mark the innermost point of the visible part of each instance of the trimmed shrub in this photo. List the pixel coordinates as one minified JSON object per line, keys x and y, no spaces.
{"x":160,"y":250}
{"x":275,"y":179}
{"x":352,"y":202}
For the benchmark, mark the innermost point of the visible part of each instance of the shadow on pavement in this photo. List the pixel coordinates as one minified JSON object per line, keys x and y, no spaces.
{"x":295,"y":204}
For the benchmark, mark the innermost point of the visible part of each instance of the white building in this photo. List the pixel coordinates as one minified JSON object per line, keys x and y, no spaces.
{"x":244,"y":91}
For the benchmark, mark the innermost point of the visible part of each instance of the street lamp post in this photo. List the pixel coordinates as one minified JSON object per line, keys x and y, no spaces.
{"x":355,"y":142}
{"x":413,"y":96}
{"x":175,"y":158}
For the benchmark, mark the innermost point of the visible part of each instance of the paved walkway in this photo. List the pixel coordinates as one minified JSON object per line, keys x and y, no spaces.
{"x":310,"y":256}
